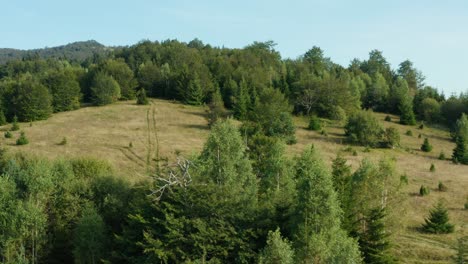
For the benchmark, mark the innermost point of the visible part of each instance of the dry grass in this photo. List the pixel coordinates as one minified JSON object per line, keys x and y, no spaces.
{"x":106,"y":133}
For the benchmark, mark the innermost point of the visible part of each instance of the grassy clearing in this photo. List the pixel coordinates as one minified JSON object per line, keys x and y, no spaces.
{"x":119,"y":134}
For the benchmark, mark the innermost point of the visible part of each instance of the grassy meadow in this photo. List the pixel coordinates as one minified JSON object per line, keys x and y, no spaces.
{"x":120,"y":133}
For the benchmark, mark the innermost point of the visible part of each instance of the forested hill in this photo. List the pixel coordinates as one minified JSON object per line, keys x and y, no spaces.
{"x":76,"y":51}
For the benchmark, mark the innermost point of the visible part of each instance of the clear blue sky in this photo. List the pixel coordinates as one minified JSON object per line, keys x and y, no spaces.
{"x":432,"y":34}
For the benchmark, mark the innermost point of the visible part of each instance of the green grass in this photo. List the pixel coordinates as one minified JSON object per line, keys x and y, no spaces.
{"x":106,"y":132}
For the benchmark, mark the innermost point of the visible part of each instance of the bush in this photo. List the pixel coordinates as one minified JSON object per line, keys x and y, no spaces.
{"x":432,"y":169}
{"x":392,"y":137}
{"x":409,"y":133}
{"x":421,"y":126}
{"x":15,"y":125}
{"x":8,"y":134}
{"x":388,"y":118}
{"x":337,"y":113}
{"x":314,"y":123}
{"x":441,"y":187}
{"x":442,"y":156}
{"x":363,"y":128}
{"x":426,"y":146}
{"x":141,"y":97}
{"x":424,"y":190}
{"x":466,"y":204}
{"x":63,"y":142}
{"x":324,"y":133}
{"x":404,"y":179}
{"x":419,"y":136}
{"x":22,"y":140}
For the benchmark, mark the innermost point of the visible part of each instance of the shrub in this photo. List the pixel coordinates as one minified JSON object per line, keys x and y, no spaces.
{"x":466,"y":204}
{"x":141,"y":97}
{"x":424,"y":190}
{"x":388,"y":118}
{"x":337,"y":113}
{"x":63,"y":142}
{"x":130,"y":145}
{"x":426,"y":146}
{"x":441,"y":187}
{"x":364,"y":128}
{"x":442,"y":156}
{"x":419,"y":136}
{"x":421,"y":126}
{"x":14,"y":125}
{"x":314,"y":123}
{"x":404,"y":179}
{"x":432,"y":169}
{"x":409,"y":133}
{"x":8,"y":134}
{"x":354,"y":153}
{"x":392,"y":137}
{"x":324,"y":133}
{"x":22,"y":140}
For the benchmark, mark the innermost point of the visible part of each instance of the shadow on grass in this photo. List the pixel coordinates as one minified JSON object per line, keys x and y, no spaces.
{"x":193,"y":126}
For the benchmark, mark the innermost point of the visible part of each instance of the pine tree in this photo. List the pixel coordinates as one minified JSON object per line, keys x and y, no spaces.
{"x":277,"y":250}
{"x":462,"y":251}
{"x":22,"y":140}
{"x":89,"y":237}
{"x":217,"y":109}
{"x":341,"y":177}
{"x":460,"y":152}
{"x":407,"y":114}
{"x":2,"y":118}
{"x":426,"y":146}
{"x":194,"y":94}
{"x":438,"y":221}
{"x":15,"y":126}
{"x":242,"y":101}
{"x":374,"y":243}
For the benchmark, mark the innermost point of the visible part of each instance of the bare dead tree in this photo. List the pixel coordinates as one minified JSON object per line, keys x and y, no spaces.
{"x":178,"y":175}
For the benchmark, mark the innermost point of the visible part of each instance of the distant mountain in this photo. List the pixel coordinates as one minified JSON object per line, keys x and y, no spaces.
{"x":78,"y":51}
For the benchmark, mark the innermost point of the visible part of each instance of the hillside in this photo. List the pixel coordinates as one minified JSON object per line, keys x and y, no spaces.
{"x":76,"y":51}
{"x":119,"y":134}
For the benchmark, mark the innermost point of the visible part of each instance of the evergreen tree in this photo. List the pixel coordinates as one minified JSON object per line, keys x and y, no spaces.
{"x":341,"y":178}
{"x":406,"y":112}
{"x":426,"y":146}
{"x":438,"y":221}
{"x":319,"y":237}
{"x":374,"y":243}
{"x":141,"y":97}
{"x":277,"y":250}
{"x":89,"y":237}
{"x":14,"y":125}
{"x":194,"y":94}
{"x":217,"y":109}
{"x":242,"y":101}
{"x":462,"y":251}
{"x":2,"y":118}
{"x":460,"y":135}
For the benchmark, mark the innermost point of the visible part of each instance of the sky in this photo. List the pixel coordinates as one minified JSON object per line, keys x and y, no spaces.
{"x":432,"y":34}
